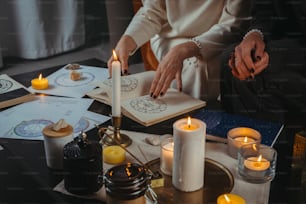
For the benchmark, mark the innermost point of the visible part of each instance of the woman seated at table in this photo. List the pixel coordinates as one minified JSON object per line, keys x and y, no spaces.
{"x":264,"y":75}
{"x":187,"y":38}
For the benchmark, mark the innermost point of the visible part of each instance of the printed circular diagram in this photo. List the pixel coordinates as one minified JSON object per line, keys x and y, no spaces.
{"x":148,"y":105}
{"x":82,"y":125}
{"x":5,"y":85}
{"x":64,"y":80}
{"x":127,"y":84}
{"x":31,"y":128}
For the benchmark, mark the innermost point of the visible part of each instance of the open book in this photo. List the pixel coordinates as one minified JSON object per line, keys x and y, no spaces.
{"x":12,"y":92}
{"x":139,"y":106}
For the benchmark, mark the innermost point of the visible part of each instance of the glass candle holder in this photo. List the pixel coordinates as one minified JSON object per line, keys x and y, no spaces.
{"x":239,"y":136}
{"x":166,"y":156}
{"x":257,"y":163}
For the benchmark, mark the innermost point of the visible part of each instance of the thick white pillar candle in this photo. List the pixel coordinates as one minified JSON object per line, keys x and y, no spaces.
{"x":189,"y":154}
{"x":116,"y":86}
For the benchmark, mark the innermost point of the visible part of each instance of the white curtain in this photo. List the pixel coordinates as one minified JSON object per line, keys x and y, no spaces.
{"x":34,"y":29}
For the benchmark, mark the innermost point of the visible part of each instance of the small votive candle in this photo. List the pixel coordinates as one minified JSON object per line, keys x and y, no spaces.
{"x":166,"y":156}
{"x":40,"y":83}
{"x":189,"y":154}
{"x":230,"y":199}
{"x":257,"y":163}
{"x":239,"y":136}
{"x":113,"y":154}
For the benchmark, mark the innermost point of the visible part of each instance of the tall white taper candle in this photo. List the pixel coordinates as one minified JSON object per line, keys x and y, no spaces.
{"x":116,"y":86}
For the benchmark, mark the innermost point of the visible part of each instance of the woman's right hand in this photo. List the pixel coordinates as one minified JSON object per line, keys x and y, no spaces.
{"x":124,"y":48}
{"x":249,"y":58}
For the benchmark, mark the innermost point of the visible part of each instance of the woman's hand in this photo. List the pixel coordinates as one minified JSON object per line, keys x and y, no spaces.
{"x":124,"y":48}
{"x":249,"y":58}
{"x":170,"y":68}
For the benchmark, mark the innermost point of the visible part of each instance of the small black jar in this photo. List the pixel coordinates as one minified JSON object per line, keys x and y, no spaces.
{"x":83,"y":166}
{"x":126,"y":184}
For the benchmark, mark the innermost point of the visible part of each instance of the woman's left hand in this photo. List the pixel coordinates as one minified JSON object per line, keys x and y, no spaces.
{"x":171,"y":67}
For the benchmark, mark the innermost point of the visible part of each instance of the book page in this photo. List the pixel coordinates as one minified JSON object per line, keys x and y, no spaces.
{"x":148,"y":111}
{"x":132,"y":86}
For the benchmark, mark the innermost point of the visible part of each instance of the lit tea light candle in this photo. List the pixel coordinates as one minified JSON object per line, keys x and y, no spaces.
{"x":230,"y":199}
{"x":113,"y":154}
{"x":257,"y":163}
{"x":242,"y":140}
{"x":189,"y":154}
{"x":116,"y":86}
{"x":237,"y":137}
{"x":167,"y":156}
{"x":40,"y":83}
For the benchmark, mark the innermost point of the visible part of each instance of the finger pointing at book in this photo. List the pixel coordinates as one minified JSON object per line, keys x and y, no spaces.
{"x":170,"y":68}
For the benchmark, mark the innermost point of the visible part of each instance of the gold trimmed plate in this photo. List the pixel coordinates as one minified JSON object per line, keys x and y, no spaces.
{"x":217,"y":180}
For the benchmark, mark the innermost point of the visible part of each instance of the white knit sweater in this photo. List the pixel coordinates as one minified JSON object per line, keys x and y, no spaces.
{"x":212,"y":23}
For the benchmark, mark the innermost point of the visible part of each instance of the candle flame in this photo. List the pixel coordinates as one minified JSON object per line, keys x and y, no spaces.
{"x":40,"y":76}
{"x":189,"y":121}
{"x":128,"y":172}
{"x":245,"y":139}
{"x":115,"y":55}
{"x":228,"y":200}
{"x":259,"y":158}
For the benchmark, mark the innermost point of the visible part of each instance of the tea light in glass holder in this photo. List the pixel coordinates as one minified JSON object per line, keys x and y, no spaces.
{"x":257,"y":163}
{"x":166,"y":156}
{"x":239,"y":136}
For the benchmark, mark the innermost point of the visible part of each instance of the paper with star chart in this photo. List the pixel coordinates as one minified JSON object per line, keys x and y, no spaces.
{"x":61,"y":84}
{"x":26,"y":121}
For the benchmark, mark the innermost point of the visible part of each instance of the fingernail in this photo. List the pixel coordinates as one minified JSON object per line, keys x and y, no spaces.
{"x":125,"y":72}
{"x":180,"y":89}
{"x":252,"y":70}
{"x":151,"y":94}
{"x":161,"y":94}
{"x":154,"y":97}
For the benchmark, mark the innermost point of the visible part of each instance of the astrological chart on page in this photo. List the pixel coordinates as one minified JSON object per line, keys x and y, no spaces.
{"x":61,"y":84}
{"x":26,"y":121}
{"x":8,"y":84}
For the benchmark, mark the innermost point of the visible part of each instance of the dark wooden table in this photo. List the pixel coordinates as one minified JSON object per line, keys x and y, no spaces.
{"x":25,"y":177}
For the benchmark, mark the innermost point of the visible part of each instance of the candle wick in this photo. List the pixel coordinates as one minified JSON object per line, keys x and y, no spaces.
{"x":189,"y":126}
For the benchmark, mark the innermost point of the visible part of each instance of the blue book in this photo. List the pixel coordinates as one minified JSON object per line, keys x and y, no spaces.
{"x":219,"y":123}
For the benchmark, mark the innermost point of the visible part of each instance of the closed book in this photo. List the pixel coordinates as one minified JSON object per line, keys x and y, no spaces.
{"x":219,"y":123}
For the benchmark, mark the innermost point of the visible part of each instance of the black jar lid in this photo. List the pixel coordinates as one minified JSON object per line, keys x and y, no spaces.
{"x":127,"y":181}
{"x":79,"y":148}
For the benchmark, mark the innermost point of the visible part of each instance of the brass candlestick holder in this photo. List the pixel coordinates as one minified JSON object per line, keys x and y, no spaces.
{"x":117,"y":137}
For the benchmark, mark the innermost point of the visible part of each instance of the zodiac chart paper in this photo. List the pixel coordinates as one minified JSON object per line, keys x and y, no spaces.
{"x":61,"y":84}
{"x":8,"y":84}
{"x":26,"y":121}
